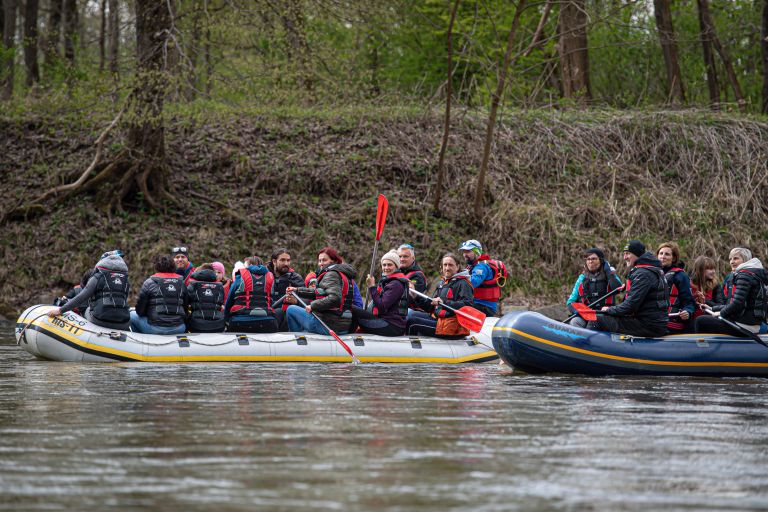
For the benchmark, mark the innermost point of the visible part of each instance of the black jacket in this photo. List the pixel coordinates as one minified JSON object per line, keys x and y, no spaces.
{"x":415,"y":274}
{"x":457,"y":292}
{"x":746,"y":298}
{"x":283,"y":281}
{"x":647,"y":295}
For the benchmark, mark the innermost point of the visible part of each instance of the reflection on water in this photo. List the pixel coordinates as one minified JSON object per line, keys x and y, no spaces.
{"x":340,"y":437}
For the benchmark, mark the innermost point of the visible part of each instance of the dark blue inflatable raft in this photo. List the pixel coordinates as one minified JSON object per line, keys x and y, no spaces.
{"x":534,"y":343}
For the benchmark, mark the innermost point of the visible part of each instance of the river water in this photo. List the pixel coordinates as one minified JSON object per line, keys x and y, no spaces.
{"x":372,"y":437}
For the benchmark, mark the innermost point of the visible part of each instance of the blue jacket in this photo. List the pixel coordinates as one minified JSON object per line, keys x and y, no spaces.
{"x":479,"y":273}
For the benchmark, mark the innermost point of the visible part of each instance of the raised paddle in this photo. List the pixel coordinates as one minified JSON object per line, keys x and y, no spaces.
{"x":467,"y":316}
{"x":355,"y":360}
{"x":733,"y":325}
{"x":589,"y":307}
{"x":381,"y":218}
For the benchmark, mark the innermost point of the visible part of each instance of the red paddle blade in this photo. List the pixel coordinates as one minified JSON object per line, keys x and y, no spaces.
{"x":590,"y":315}
{"x":470,"y":318}
{"x":381,"y":215}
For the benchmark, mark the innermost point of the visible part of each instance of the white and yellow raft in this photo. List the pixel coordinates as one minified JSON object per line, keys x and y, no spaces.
{"x":71,"y":337}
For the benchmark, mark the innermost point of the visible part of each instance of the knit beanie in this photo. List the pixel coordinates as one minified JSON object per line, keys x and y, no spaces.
{"x":393,"y":257}
{"x":636,"y":247}
{"x":218,"y":267}
{"x":597,"y":252}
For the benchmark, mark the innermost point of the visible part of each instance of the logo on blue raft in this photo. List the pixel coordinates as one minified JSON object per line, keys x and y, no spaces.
{"x":563,"y":332}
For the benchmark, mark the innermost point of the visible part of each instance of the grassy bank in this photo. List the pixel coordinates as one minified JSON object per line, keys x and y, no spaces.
{"x":558,"y":183}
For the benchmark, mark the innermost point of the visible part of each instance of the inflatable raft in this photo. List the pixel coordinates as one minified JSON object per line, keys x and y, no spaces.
{"x":70,"y":337}
{"x":534,"y":343}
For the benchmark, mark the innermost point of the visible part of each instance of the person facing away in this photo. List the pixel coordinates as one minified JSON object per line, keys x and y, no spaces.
{"x":746,"y":300}
{"x":413,"y":272}
{"x":205,"y":300}
{"x":331,"y":299}
{"x":249,"y":304}
{"x":455,"y":290}
{"x":596,"y":280}
{"x":285,"y":276}
{"x":160,"y":308}
{"x":484,"y":277}
{"x":681,"y":302}
{"x":389,"y":299}
{"x":105,"y":294}
{"x":706,"y":289}
{"x":644,"y":310}
{"x":184,"y":267}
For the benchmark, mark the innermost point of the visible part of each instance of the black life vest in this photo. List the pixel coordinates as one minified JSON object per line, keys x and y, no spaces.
{"x":659,"y":296}
{"x":253,"y":294}
{"x":402,"y":303}
{"x":347,"y":292}
{"x":446,"y":292}
{"x":110,"y":301}
{"x":594,"y":286}
{"x":168,"y":299}
{"x":206,"y":300}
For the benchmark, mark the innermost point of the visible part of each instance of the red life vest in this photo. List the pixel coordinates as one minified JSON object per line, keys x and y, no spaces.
{"x":402,"y":303}
{"x":674,"y":323}
{"x":490,"y":289}
{"x":346,"y":292}
{"x":256,"y":293}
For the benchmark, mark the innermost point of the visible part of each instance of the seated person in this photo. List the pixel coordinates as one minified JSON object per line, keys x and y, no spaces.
{"x":249,"y":304}
{"x":455,"y":290}
{"x":745,"y":300}
{"x":160,"y":307}
{"x":644,"y":310}
{"x":331,"y":299}
{"x":389,"y":300}
{"x":285,"y":276}
{"x":681,"y":302}
{"x":706,"y":289}
{"x":105,"y":294}
{"x":205,"y":300}
{"x":596,"y":280}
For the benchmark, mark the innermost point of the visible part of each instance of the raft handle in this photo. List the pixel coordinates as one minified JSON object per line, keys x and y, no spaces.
{"x":117,"y":336}
{"x":359,"y":341}
{"x":242,"y":339}
{"x":183,"y":341}
{"x":301,"y":340}
{"x":415,"y":342}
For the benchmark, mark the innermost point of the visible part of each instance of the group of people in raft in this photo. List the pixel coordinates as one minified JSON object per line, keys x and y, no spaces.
{"x":261,"y":298}
{"x":661,"y":298}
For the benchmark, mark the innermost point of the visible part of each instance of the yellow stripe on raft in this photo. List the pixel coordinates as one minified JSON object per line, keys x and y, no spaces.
{"x":627,"y":359}
{"x":309,"y":359}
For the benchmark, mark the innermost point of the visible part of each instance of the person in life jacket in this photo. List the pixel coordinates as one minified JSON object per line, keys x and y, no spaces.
{"x":455,"y":290}
{"x":183,"y":266}
{"x":682,"y":305}
{"x":412,"y":270}
{"x":389,"y":300}
{"x":105,"y":294}
{"x":160,"y":308}
{"x":486,"y":275}
{"x":746,"y":298}
{"x":706,"y":289}
{"x":644,"y":310}
{"x":221,"y":277}
{"x":205,"y":301}
{"x":331,"y":300}
{"x":249,"y":304}
{"x":285,"y":276}
{"x":597,"y":279}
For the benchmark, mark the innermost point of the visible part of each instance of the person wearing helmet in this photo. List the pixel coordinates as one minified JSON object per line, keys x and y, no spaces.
{"x":482,"y":276}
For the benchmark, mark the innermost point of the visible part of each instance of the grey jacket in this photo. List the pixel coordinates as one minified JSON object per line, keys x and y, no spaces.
{"x":330,"y":287}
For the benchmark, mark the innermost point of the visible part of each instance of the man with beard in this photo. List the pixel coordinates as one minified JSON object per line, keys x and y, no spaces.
{"x":285,"y":276}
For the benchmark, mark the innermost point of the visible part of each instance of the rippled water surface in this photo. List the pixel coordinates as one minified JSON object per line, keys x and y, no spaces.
{"x":343,"y":437}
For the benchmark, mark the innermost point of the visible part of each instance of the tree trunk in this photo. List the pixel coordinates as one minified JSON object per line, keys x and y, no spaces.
{"x":764,"y":48}
{"x":146,"y":128}
{"x":193,"y":52}
{"x":9,"y":35}
{"x":574,"y":56}
{"x":114,"y":37}
{"x":727,"y":62}
{"x":292,"y":14}
{"x":495,"y":100}
{"x":709,"y":57}
{"x":209,"y":63}
{"x":663,"y":14}
{"x":447,"y":122}
{"x":102,"y":34}
{"x":70,"y":30}
{"x":53,"y":36}
{"x":30,"y":43}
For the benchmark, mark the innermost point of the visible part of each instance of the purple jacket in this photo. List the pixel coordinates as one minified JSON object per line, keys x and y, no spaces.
{"x":392,"y":303}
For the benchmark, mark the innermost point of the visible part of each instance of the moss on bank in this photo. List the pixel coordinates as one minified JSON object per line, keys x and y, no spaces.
{"x":558,"y":183}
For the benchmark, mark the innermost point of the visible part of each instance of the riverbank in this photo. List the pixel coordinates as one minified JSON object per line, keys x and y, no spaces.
{"x":248,"y":182}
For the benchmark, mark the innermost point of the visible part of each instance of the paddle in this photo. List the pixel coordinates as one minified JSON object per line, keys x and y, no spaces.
{"x":738,"y":328}
{"x":467,"y":316}
{"x":381,"y":218}
{"x":590,"y":306}
{"x":355,"y":360}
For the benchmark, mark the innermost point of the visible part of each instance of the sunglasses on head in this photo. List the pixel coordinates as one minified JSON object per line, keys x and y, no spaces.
{"x":406,"y":246}
{"x":178,"y":249}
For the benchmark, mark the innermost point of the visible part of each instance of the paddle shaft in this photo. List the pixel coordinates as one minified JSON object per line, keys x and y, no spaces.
{"x":596,"y":302}
{"x":737,"y":327}
{"x":373,"y":262}
{"x":330,"y":331}
{"x":442,"y":304}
